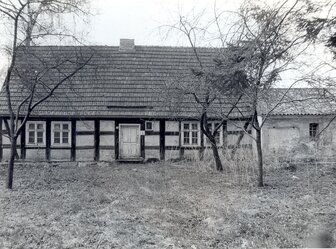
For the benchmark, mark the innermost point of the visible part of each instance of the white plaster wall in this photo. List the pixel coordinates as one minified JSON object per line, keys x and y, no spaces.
{"x":232,"y":139}
{"x":107,"y":140}
{"x":156,"y":125}
{"x":172,"y":125}
{"x":35,"y":155}
{"x":281,"y":134}
{"x":60,"y":155}
{"x":6,"y":154}
{"x":172,"y":140}
{"x":192,"y":154}
{"x":107,"y":125}
{"x":85,"y":125}
{"x":84,"y":140}
{"x":6,"y":141}
{"x":172,"y":154}
{"x":84,"y":155}
{"x":152,"y":140}
{"x":152,"y":154}
{"x":106,"y":155}
{"x":235,"y":125}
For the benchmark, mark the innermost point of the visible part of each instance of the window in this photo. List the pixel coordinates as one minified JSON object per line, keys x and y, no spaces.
{"x":313,"y":130}
{"x":60,"y":133}
{"x":190,"y":133}
{"x":219,"y":134}
{"x":35,"y":133}
{"x":149,"y":126}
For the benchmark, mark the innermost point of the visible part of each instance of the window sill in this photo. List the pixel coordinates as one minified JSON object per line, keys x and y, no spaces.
{"x":191,"y":146}
{"x":35,"y":145}
{"x":60,"y":146}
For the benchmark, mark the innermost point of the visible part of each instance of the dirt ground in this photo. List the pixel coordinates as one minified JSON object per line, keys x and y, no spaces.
{"x":165,"y":205}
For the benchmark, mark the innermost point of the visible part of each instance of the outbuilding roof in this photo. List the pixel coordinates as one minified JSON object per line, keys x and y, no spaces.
{"x":299,"y":101}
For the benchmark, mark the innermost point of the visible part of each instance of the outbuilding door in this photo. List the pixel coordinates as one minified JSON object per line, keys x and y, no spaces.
{"x":129,"y":141}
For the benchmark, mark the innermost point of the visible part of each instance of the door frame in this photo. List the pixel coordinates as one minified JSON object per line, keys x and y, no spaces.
{"x":120,"y":143}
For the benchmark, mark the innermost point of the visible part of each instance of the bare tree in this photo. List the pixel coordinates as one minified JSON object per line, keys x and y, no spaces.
{"x":320,"y":25}
{"x":198,"y":85}
{"x":262,"y":44}
{"x":320,"y":28}
{"x":266,"y":46}
{"x":33,"y":21}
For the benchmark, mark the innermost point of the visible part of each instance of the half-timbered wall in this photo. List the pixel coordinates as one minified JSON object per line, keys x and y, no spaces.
{"x":95,"y":139}
{"x":5,"y":149}
{"x":36,"y":152}
{"x":85,"y":140}
{"x":107,"y":140}
{"x":58,"y":152}
{"x":172,"y":140}
{"x":152,"y":141}
{"x":233,"y":132}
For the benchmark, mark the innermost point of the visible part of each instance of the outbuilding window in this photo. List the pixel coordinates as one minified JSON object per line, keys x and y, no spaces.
{"x":35,"y":133}
{"x":190,"y":133}
{"x":313,"y":130}
{"x":60,"y":133}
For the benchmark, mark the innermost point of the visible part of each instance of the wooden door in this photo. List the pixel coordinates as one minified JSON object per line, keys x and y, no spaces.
{"x":129,"y":140}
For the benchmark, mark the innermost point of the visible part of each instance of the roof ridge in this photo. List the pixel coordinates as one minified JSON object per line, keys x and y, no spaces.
{"x":116,"y":46}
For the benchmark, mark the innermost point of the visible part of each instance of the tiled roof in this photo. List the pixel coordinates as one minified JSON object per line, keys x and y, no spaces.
{"x":133,"y":84}
{"x":114,"y":84}
{"x":299,"y":101}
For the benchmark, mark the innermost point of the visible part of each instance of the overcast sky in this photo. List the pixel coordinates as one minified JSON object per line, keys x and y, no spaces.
{"x":137,"y":19}
{"x":141,"y":19}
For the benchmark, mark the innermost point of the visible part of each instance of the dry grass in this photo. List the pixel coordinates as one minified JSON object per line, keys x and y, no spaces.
{"x":164,"y":206}
{"x":240,"y":169}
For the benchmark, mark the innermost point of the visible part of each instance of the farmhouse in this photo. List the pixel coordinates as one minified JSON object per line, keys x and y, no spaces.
{"x":115,"y":109}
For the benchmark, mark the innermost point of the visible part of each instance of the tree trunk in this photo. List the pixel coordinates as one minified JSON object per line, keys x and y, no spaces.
{"x":240,"y":138}
{"x":13,"y":153}
{"x":218,"y":161}
{"x":260,"y":158}
{"x":202,"y":149}
{"x":205,"y":130}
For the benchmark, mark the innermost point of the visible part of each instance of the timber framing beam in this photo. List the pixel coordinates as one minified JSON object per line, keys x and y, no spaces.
{"x":73,"y":140}
{"x":48,"y":139}
{"x":162,"y":139}
{"x":96,"y":139}
{"x":1,"y":152}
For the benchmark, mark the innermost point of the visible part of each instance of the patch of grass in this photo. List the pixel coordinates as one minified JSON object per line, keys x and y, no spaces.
{"x":166,"y":205}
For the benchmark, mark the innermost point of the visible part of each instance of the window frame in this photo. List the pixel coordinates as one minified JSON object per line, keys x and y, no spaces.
{"x":313,"y":127}
{"x":190,"y":131}
{"x":61,"y":144}
{"x":149,"y":122}
{"x":35,"y":133}
{"x":219,"y":132}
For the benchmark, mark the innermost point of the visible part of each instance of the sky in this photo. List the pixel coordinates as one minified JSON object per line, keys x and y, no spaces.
{"x":146,"y":21}
{"x":143,"y":20}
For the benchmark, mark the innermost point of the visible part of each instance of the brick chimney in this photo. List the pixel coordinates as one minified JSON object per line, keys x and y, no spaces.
{"x":126,"y":45}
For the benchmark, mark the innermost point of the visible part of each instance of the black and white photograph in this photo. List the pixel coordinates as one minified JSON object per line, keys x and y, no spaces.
{"x":167,"y":124}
